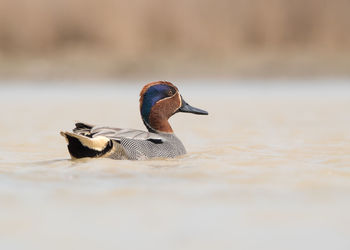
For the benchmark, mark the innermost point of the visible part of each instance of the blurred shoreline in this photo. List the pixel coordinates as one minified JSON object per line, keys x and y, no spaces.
{"x":85,"y":65}
{"x":108,"y":39}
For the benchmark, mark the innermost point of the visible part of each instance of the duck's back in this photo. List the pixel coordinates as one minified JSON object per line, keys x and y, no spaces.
{"x":129,"y":143}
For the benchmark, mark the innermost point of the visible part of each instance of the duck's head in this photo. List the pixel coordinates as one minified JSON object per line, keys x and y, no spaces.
{"x":159,"y":101}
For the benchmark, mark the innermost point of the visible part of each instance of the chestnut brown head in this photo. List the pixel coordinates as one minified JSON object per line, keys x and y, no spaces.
{"x":159,"y":101}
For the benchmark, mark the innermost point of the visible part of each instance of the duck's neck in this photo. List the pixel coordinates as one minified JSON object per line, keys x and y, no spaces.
{"x":158,"y":123}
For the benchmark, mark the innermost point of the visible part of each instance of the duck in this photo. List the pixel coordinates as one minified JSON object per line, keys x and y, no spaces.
{"x":158,"y":102}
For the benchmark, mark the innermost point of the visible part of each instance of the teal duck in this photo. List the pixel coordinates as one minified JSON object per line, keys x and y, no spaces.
{"x":158,"y":102}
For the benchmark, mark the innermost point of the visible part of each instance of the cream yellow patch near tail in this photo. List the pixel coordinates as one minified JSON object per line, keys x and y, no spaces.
{"x":97,"y":143}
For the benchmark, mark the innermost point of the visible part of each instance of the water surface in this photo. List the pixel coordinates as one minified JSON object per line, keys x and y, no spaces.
{"x":269,"y":168}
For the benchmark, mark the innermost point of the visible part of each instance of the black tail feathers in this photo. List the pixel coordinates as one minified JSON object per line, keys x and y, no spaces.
{"x":78,"y":150}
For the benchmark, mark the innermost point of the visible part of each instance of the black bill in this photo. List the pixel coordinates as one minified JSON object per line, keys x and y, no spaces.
{"x":187,"y":108}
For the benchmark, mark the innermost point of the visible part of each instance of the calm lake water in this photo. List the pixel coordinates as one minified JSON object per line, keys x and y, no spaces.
{"x":269,"y":168}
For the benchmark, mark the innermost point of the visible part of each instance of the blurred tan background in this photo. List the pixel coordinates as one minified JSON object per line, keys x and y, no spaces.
{"x":41,"y":39}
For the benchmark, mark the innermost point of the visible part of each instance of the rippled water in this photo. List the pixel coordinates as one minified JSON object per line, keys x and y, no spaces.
{"x":269,"y":168}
